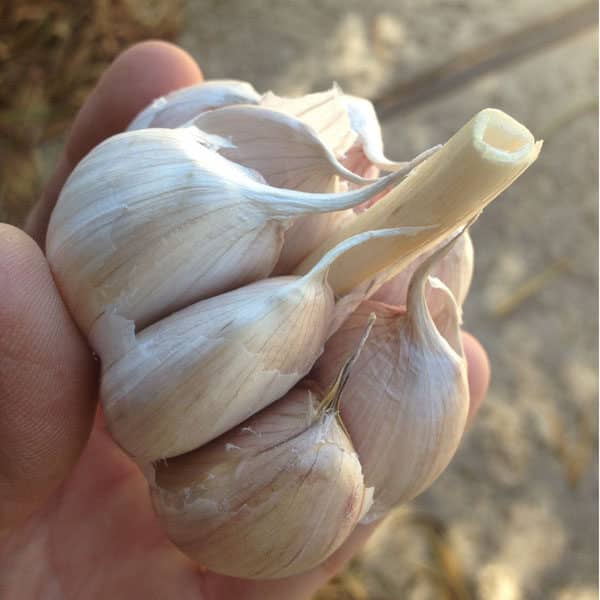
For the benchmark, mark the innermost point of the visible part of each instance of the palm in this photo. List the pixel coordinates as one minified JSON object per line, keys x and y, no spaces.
{"x":98,"y":538}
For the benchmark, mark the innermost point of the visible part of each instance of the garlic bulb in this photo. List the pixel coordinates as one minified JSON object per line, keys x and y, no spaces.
{"x":271,"y":498}
{"x":153,"y":220}
{"x":406,"y":401}
{"x":164,"y":242}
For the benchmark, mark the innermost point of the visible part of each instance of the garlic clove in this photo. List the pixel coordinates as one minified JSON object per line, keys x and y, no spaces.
{"x":152,"y":220}
{"x":455,"y":270}
{"x":283,"y":149}
{"x":274,"y":497}
{"x":324,"y":112}
{"x":406,"y":402}
{"x":178,"y":107}
{"x":191,"y":376}
{"x":195,"y":374}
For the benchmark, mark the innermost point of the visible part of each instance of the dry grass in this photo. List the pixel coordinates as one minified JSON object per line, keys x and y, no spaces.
{"x":51,"y":55}
{"x":439,"y":571}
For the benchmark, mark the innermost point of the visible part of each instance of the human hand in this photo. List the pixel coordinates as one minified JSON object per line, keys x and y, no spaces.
{"x":75,"y":514}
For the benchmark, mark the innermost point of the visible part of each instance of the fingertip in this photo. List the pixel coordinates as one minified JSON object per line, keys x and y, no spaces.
{"x":140,"y":74}
{"x":478,"y":370}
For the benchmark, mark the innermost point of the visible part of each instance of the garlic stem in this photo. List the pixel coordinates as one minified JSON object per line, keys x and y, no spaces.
{"x":444,"y":192}
{"x":323,"y":268}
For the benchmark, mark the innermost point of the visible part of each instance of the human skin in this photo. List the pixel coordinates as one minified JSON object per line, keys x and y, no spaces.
{"x":75,"y":515}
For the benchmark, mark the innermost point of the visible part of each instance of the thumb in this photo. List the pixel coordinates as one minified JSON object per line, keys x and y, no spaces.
{"x":47,"y":381}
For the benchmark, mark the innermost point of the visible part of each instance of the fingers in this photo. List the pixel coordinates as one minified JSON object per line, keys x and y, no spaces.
{"x":138,"y":76}
{"x":47,"y":381}
{"x":478,"y":367}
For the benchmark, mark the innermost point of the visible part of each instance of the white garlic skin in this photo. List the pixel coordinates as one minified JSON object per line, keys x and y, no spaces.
{"x":195,"y":374}
{"x":364,"y":122}
{"x":272,"y":498}
{"x":141,"y":223}
{"x":152,"y":220}
{"x":406,"y":401}
{"x":283,"y":149}
{"x":324,"y":112}
{"x":288,"y":154}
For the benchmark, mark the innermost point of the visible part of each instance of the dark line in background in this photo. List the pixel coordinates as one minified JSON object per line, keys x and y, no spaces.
{"x":478,"y":61}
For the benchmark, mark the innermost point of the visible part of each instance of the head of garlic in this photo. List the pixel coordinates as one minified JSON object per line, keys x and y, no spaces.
{"x":164,"y":244}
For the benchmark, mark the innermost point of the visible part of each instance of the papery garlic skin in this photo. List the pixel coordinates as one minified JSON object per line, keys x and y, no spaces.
{"x":406,"y":401}
{"x":153,"y":220}
{"x":283,"y":149}
{"x":180,"y":106}
{"x":455,"y":270}
{"x":324,"y":112}
{"x":274,"y":497}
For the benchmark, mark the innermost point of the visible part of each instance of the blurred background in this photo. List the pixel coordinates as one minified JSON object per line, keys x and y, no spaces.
{"x":515,"y":516}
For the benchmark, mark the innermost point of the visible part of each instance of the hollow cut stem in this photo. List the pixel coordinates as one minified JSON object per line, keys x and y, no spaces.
{"x":443,"y":193}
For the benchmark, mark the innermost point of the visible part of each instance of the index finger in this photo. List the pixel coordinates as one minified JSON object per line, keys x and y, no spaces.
{"x":138,"y":76}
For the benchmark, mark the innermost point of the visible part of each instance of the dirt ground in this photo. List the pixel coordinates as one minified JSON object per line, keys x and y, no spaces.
{"x":515,"y":516}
